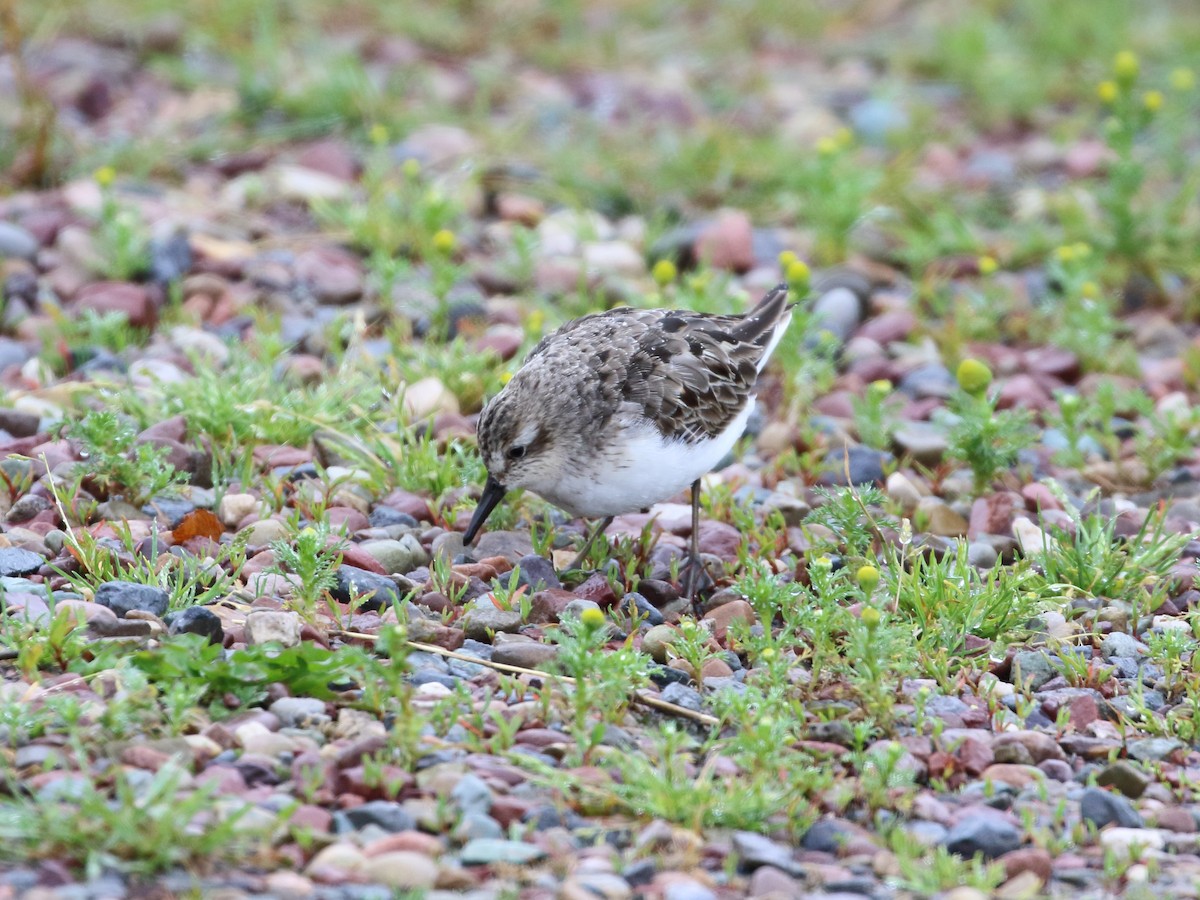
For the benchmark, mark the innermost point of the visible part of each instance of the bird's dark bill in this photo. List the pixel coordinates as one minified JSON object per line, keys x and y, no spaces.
{"x":493,"y":493}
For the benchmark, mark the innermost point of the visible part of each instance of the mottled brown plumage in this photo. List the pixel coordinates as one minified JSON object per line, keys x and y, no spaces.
{"x":622,"y":409}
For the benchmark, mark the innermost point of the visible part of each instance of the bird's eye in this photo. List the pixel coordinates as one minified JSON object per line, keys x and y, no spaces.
{"x":517,"y":452}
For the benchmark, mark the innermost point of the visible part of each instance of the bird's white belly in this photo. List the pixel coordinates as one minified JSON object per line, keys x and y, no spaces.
{"x":643,"y":470}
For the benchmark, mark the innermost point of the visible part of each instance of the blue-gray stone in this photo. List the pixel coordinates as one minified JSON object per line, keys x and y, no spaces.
{"x":14,"y":562}
{"x":1101,"y":807}
{"x":487,"y":851}
{"x":197,"y":620}
{"x":983,"y":834}
{"x":385,"y":814}
{"x":123,"y":597}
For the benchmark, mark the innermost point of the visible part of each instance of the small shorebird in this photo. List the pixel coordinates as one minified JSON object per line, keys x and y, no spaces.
{"x":619,"y":410}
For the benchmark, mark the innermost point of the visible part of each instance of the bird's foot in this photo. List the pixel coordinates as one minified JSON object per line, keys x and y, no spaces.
{"x":694,"y":578}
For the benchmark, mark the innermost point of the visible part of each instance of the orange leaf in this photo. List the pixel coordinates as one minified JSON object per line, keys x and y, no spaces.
{"x":198,"y":523}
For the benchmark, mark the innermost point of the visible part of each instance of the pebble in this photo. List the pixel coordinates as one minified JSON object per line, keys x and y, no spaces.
{"x":15,"y":562}
{"x":1101,"y":807}
{"x":16,"y":242}
{"x":123,"y":597}
{"x":989,"y":836}
{"x":385,"y":814}
{"x":369,"y":590}
{"x":264,"y":626}
{"x":197,"y":620}
{"x":488,"y":851}
{"x":402,"y":870}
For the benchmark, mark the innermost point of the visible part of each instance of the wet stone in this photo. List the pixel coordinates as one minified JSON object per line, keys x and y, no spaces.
{"x":356,"y":583}
{"x":15,"y":561}
{"x":385,"y":814}
{"x":123,"y":597}
{"x":1101,"y":807}
{"x":197,"y":620}
{"x":983,"y":834}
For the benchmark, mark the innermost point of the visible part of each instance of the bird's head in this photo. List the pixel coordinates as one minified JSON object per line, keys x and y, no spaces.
{"x":518,"y":444}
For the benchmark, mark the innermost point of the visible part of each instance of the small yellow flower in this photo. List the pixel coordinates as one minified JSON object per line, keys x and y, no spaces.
{"x":536,"y":321}
{"x":379,"y":135}
{"x":444,"y":241}
{"x":411,"y":168}
{"x":1183,"y":79}
{"x":1125,"y":67}
{"x":1065,"y":253}
{"x":973,"y":376}
{"x":592,"y":617}
{"x":1108,"y":92}
{"x":827,"y":146}
{"x":506,"y":377}
{"x":1090,"y":290}
{"x":664,"y":272}
{"x":798,"y":275}
{"x":767,"y":654}
{"x":880,"y":387}
{"x":1152,"y":100}
{"x":868,"y":578}
{"x":870,"y":617}
{"x":988,"y":265}
{"x":105,"y":176}
{"x":822,"y":562}
{"x":786,"y":258}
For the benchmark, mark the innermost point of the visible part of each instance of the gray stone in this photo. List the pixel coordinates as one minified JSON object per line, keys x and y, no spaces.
{"x":399,"y":556}
{"x":924,"y":442}
{"x":537,"y":573}
{"x":197,"y":620}
{"x":1119,"y":644}
{"x":488,"y":851}
{"x":865,"y":466}
{"x":933,"y":380}
{"x":647,"y":610}
{"x":756,"y":850}
{"x":1101,"y":807}
{"x":682,"y":695}
{"x":1034,"y":667}
{"x":122,"y":597}
{"x":472,"y":795}
{"x":353,"y":582}
{"x":475,"y":825}
{"x":984,"y":834}
{"x":837,"y":311}
{"x":1153,"y":749}
{"x":484,"y":620}
{"x":297,"y":712}
{"x":15,"y":562}
{"x":385,"y":814}
{"x":525,"y":654}
{"x":16,"y":242}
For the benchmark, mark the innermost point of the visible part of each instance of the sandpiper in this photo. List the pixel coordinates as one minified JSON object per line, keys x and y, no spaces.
{"x":622,"y":409}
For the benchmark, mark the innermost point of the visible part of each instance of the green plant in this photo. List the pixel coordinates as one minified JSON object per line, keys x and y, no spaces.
{"x":136,"y":827}
{"x":402,"y":213}
{"x":312,"y":555}
{"x":844,"y":511}
{"x":116,"y":462}
{"x":828,"y":191}
{"x":876,"y":414}
{"x":603,"y":684}
{"x":121,"y":239}
{"x":985,"y":438}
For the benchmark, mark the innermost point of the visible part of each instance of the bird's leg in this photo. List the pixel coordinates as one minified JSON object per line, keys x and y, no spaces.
{"x":693,"y":575}
{"x":591,"y":539}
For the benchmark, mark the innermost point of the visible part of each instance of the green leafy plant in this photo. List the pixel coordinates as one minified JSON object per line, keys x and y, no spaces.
{"x":117,"y":463}
{"x":985,"y":438}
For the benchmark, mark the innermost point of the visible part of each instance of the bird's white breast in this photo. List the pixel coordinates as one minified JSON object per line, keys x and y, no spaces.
{"x":636,"y":468}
